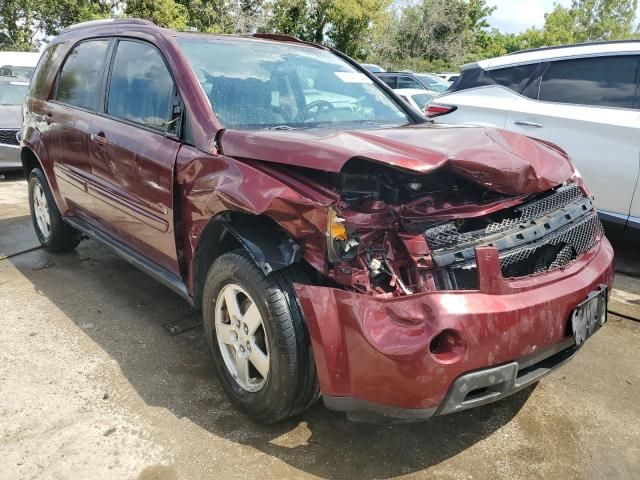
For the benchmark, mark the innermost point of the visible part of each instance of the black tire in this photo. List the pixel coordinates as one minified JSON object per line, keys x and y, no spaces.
{"x":291,"y":385}
{"x":61,"y":237}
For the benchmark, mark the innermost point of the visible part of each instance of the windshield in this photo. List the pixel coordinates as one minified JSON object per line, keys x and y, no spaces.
{"x":433,"y":82}
{"x":13,"y":92}
{"x":255,"y":84}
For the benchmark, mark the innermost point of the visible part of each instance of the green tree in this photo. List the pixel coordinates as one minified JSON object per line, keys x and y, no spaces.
{"x":16,"y":20}
{"x":23,"y":23}
{"x":344,"y":24}
{"x":603,"y":19}
{"x":584,"y":21}
{"x":165,"y":13}
{"x":442,"y":29}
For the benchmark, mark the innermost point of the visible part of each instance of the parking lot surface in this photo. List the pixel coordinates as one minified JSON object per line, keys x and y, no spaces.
{"x":91,"y":386}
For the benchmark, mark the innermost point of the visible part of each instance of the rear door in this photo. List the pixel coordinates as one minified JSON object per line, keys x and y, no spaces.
{"x":70,"y":116}
{"x":588,"y":107}
{"x":133,"y":154}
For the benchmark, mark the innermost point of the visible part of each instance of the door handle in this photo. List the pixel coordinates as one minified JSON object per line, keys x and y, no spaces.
{"x":98,"y":138}
{"x":48,"y":118}
{"x":525,"y":123}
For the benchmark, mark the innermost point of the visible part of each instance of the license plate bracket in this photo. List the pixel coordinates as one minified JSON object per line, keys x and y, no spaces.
{"x":589,"y":315}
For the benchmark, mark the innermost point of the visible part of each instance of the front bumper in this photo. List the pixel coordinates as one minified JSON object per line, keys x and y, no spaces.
{"x":373,"y":354}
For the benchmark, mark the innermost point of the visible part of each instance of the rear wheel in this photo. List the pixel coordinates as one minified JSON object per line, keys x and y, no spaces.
{"x":257,"y":336}
{"x":53,"y":233}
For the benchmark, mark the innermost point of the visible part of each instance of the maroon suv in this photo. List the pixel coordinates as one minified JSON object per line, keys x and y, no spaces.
{"x":336,"y":243}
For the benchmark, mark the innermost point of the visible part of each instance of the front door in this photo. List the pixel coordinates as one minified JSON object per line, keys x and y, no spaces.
{"x":133,"y":157}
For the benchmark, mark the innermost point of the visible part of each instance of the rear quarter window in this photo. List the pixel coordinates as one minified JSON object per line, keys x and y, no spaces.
{"x":39,"y":83}
{"x":516,"y":78}
{"x":598,"y":81}
{"x":81,"y":74}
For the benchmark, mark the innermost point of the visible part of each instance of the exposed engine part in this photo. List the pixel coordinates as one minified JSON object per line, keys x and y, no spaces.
{"x":382,"y":273}
{"x":375,"y":267}
{"x":362,"y":181}
{"x":396,"y":280}
{"x":382,"y":239}
{"x":350,"y":249}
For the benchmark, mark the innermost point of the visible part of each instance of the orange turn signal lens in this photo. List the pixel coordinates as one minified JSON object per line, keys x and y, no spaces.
{"x":338,"y":232}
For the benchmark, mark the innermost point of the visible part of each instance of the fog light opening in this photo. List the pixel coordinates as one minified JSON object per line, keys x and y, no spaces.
{"x":448,"y":346}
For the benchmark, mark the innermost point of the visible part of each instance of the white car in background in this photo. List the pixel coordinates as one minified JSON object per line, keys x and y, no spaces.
{"x":449,"y":76}
{"x":372,"y":67}
{"x":584,"y":98}
{"x":418,"y":98}
{"x":18,"y":64}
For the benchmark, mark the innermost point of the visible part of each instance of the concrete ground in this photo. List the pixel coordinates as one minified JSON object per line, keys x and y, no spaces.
{"x":91,"y":387}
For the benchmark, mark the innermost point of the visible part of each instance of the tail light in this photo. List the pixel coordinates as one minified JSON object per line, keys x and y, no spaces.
{"x":436,"y":110}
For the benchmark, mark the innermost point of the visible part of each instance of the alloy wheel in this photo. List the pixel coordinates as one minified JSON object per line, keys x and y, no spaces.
{"x":41,"y":211}
{"x":242,"y":337}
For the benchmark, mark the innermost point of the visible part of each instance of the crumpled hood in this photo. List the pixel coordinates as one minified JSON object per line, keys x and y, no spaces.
{"x":499,"y":160}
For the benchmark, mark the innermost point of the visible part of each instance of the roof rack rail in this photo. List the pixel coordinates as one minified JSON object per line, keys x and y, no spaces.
{"x":281,"y":37}
{"x":104,"y":21}
{"x":569,"y":45}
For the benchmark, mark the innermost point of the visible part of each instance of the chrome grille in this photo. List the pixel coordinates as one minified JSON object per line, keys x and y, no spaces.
{"x":550,"y":252}
{"x":8,"y":137}
{"x":448,"y":235}
{"x":555,"y":201}
{"x":539,"y":257}
{"x":444,"y":235}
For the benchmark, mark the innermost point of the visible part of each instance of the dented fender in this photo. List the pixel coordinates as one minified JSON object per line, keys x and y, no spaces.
{"x":210,"y":185}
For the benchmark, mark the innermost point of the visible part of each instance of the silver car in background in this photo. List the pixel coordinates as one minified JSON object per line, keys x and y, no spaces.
{"x":12,"y":93}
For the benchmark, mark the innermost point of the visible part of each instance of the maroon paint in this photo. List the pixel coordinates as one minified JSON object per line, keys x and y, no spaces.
{"x":498,"y":160}
{"x":377,"y":348}
{"x":212,"y":184}
{"x":131,"y":184}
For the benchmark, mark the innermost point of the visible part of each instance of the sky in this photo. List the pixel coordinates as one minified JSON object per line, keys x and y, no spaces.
{"x":514,"y":16}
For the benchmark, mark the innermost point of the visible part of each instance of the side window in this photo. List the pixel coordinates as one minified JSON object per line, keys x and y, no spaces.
{"x":389,"y":80}
{"x":517,"y":78}
{"x":408,"y":82}
{"x":38,"y":81}
{"x":141,"y":87}
{"x":514,"y":78}
{"x":81,"y":75}
{"x":599,"y":81}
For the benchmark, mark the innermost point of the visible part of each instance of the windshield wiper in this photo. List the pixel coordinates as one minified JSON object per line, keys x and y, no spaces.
{"x":282,"y":127}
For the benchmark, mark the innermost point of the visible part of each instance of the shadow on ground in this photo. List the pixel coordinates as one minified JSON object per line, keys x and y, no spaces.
{"x":123,"y":311}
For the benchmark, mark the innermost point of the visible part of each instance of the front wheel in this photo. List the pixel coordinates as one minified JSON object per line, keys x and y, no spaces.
{"x":257,"y":336}
{"x":53,"y":233}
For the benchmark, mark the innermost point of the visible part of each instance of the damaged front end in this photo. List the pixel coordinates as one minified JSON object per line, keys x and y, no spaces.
{"x":395,"y":233}
{"x":448,"y":265}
